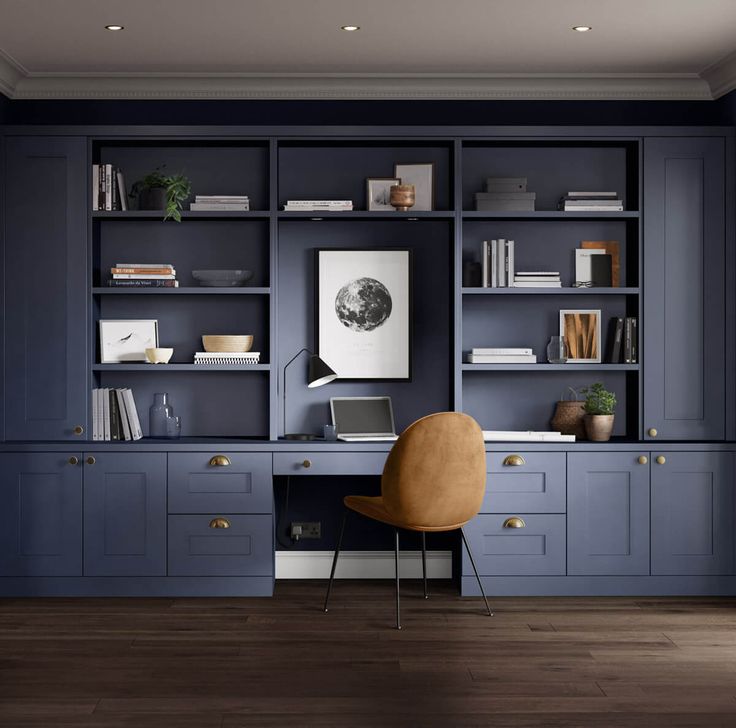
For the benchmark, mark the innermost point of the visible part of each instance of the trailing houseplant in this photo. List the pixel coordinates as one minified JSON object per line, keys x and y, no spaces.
{"x":600,"y":405}
{"x":158,"y":191}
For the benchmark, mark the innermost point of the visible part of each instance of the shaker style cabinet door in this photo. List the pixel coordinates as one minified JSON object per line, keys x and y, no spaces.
{"x":608,"y":514}
{"x":45,"y":210}
{"x":40,"y":514}
{"x":684,"y":289}
{"x":125,"y":514}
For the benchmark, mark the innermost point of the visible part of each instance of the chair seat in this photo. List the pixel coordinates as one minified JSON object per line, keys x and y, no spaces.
{"x":374,"y":507}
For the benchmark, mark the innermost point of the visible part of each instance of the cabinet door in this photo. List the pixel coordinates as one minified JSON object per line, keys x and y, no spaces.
{"x":40,"y":514}
{"x":125,"y":514}
{"x":45,"y":288}
{"x":692,"y":513}
{"x":684,"y":291}
{"x":607,"y":514}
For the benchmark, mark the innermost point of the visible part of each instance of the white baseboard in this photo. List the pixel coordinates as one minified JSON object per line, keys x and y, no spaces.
{"x":361,"y":564}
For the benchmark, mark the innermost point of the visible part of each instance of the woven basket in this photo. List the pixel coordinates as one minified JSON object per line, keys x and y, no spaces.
{"x":569,"y":417}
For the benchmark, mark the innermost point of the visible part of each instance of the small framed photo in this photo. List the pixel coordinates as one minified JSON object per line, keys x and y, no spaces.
{"x":378,"y":193}
{"x":125,"y":341}
{"x":582,"y":331}
{"x":422,"y":177}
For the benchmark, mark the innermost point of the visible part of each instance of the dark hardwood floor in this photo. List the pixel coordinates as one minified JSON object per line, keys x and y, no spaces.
{"x":211,"y":663}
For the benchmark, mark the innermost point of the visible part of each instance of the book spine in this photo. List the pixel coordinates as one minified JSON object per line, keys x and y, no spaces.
{"x":124,"y":203}
{"x":135,"y":423}
{"x":144,"y":276}
{"x":494,"y":264}
{"x":101,"y":189}
{"x":501,"y":260}
{"x":510,"y":273}
{"x":95,"y":186}
{"x":627,"y":340}
{"x":137,"y":283}
{"x":108,"y":187}
{"x":114,"y":416}
{"x":125,"y":427}
{"x":145,"y":271}
{"x":106,"y":413}
{"x":114,"y":188}
{"x":95,"y":420}
{"x":634,"y":341}
{"x":484,"y":264}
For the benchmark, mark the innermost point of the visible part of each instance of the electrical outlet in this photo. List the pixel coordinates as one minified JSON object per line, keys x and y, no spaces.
{"x":308,"y":529}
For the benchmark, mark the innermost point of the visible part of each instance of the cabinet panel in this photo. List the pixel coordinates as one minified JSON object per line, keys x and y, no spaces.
{"x":524,"y":482}
{"x":40,"y":515}
{"x":692,"y":514}
{"x":684,"y":288}
{"x":125,"y":515}
{"x":537,"y":548}
{"x":329,"y":463}
{"x":241,"y":484}
{"x":45,"y":288}
{"x":607,"y":514}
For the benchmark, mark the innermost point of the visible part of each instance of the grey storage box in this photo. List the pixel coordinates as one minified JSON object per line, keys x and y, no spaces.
{"x":505,"y":201}
{"x":506,"y":184}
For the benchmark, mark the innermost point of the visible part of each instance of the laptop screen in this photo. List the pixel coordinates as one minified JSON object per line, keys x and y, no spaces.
{"x":362,"y":415}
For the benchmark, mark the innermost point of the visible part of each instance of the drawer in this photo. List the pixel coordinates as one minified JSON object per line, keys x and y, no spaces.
{"x":537,"y":549}
{"x":536,"y":484}
{"x":240,"y":484}
{"x":196,"y":548}
{"x":329,"y":463}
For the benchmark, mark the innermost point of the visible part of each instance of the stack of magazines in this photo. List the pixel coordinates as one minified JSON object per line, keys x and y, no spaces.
{"x":502,"y":355}
{"x":114,"y":415}
{"x":591,"y":202}
{"x":227,"y":357}
{"x":318,"y":205}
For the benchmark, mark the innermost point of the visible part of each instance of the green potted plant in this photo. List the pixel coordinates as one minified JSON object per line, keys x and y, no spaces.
{"x":158,"y":191}
{"x":599,"y":412}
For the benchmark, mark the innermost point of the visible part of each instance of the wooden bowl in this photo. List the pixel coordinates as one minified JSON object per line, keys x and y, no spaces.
{"x":222,"y":342}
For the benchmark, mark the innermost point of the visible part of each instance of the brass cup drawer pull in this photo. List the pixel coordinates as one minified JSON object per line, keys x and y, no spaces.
{"x":219,"y":523}
{"x":514,"y":522}
{"x":661,"y":460}
{"x":514,"y":460}
{"x":220,"y":461}
{"x":306,"y":463}
{"x":73,"y":460}
{"x":642,"y":459}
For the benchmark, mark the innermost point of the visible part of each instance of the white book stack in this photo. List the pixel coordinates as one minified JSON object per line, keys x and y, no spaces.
{"x":497,"y":263}
{"x":318,"y":205}
{"x":537,"y":279}
{"x":525,"y":436}
{"x":220,"y":203}
{"x":227,"y":357}
{"x":502,"y":355}
{"x":587,"y":201}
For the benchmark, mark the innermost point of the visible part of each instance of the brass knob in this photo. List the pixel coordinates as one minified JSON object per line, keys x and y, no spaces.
{"x":643,"y":459}
{"x":514,"y":522}
{"x":514,"y":460}
{"x":91,"y":460}
{"x":220,"y":461}
{"x":219,"y":523}
{"x":306,"y":463}
{"x":652,"y":432}
{"x":73,"y":460}
{"x":79,"y":430}
{"x":661,"y":460}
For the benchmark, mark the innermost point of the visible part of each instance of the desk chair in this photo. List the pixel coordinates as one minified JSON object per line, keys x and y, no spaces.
{"x":434,"y":480}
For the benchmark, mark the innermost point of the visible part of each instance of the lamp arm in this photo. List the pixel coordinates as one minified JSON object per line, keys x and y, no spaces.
{"x":286,"y":366}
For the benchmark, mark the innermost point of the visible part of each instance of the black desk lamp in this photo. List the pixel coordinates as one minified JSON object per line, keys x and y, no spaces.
{"x":318,"y":374}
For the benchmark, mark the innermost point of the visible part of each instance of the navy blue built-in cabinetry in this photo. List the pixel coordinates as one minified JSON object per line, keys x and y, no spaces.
{"x":651,"y":512}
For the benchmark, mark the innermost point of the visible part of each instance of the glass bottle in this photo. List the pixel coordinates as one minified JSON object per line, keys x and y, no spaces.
{"x":557,"y":352}
{"x":158,"y":414}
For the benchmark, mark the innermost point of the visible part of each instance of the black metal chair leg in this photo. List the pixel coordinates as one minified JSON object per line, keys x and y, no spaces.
{"x":472,"y":561}
{"x":334,"y":560}
{"x":396,"y":559}
{"x":424,"y":564}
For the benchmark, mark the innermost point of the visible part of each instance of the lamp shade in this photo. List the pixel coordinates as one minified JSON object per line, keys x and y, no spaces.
{"x":319,"y":372}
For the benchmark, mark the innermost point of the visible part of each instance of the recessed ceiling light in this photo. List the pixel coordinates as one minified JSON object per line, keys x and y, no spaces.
{"x":114,"y":27}
{"x":582,"y":28}
{"x":350,"y":28}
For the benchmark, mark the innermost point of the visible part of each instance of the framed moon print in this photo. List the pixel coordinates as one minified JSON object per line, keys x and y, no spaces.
{"x":364,"y":312}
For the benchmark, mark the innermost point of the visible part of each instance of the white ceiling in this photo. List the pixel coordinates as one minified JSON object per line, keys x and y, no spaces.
{"x":456,"y":48}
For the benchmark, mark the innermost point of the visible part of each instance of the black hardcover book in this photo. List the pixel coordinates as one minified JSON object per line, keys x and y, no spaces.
{"x":114,"y":415}
{"x":101,"y":188}
{"x":601,"y":270}
{"x":627,"y":340}
{"x":613,"y":342}
{"x":114,"y":196}
{"x":634,"y":341}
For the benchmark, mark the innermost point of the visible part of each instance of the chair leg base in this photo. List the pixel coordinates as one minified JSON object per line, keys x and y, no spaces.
{"x":477,"y":576}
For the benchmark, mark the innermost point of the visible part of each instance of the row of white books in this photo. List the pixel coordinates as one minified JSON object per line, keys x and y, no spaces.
{"x":502,"y":355}
{"x":497,"y":263}
{"x":114,"y":415}
{"x":318,"y":205}
{"x":525,"y":436}
{"x":586,"y":201}
{"x":227,"y":357}
{"x":220,"y":203}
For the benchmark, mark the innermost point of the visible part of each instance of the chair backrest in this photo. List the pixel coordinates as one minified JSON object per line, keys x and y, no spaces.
{"x":435,"y":475}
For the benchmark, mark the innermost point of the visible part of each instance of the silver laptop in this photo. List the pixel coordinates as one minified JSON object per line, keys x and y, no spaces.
{"x":363,"y":419}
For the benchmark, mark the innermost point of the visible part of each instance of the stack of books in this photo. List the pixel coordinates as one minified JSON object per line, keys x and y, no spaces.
{"x":114,"y":415}
{"x":108,"y":188}
{"x":502,"y":355}
{"x":525,"y":436}
{"x":318,"y":205}
{"x":591,"y":202}
{"x":220,"y":203}
{"x":497,"y":263}
{"x":505,"y":194}
{"x":537,"y":279}
{"x":143,"y":275}
{"x":227,"y":357}
{"x":623,"y":341}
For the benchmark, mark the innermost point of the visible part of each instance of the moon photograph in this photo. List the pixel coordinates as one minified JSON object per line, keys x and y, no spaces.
{"x":363,"y":304}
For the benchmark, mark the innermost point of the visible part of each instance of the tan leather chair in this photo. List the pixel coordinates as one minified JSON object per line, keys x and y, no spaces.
{"x":434,"y":480}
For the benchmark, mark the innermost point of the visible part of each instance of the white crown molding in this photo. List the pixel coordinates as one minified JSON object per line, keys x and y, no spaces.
{"x":361,"y":564}
{"x":685,"y":87}
{"x":721,"y":76}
